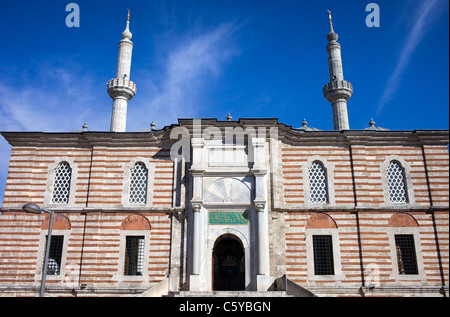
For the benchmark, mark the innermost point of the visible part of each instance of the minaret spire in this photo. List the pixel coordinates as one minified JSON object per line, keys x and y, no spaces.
{"x":127,"y":34}
{"x":122,"y":89}
{"x":338,"y":91}
{"x":331,"y":21}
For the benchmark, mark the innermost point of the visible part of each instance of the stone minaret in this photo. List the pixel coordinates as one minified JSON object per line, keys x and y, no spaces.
{"x":338,"y":91}
{"x":122,"y":89}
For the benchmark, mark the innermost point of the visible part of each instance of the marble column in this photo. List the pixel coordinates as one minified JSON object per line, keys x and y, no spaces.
{"x":196,"y":202}
{"x":260,"y":172}
{"x":196,"y":252}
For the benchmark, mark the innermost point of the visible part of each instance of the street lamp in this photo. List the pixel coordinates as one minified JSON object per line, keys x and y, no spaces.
{"x":35,"y":209}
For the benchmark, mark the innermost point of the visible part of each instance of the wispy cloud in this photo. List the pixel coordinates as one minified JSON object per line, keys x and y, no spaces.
{"x":188,"y":71}
{"x":47,"y":96}
{"x":426,"y":11}
{"x":61,"y":95}
{"x":59,"y":98}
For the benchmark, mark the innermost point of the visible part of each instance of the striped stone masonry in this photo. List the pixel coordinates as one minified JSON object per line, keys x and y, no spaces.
{"x":359,"y":180}
{"x":92,"y":250}
{"x":366,"y":253}
{"x":357,"y":214}
{"x":100,"y":175}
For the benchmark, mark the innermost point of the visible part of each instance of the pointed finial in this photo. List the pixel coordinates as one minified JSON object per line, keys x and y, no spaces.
{"x":85,"y":127}
{"x":153,"y":125}
{"x":304,"y":123}
{"x":331,"y":21}
{"x":332,"y":36}
{"x":127,"y":34}
{"x":372,"y":123}
{"x":229,"y":117}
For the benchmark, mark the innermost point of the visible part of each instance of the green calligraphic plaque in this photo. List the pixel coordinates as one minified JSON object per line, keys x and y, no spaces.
{"x":228,"y":218}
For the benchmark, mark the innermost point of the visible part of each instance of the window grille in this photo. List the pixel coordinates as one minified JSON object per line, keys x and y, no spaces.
{"x":134,"y":256}
{"x":55,"y":255}
{"x":318,"y":188}
{"x":397,"y":183}
{"x":406,"y":254}
{"x":323,"y":255}
{"x":61,"y":188}
{"x":138,"y":184}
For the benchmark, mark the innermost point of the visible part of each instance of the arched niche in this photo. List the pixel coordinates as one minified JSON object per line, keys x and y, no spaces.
{"x":321,"y":221}
{"x":135,"y":222}
{"x":60,"y":222}
{"x":402,"y":220}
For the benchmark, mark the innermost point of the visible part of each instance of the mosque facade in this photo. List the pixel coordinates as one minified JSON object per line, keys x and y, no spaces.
{"x":238,"y":207}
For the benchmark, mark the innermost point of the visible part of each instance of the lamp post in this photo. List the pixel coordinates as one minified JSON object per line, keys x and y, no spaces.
{"x":35,"y":209}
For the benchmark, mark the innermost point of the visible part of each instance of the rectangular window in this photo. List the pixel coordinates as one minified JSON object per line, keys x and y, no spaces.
{"x":323,"y":255}
{"x":134,"y":256}
{"x":406,"y":254}
{"x":55,"y":255}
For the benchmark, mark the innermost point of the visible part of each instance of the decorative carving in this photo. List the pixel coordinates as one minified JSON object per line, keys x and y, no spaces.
{"x":118,"y":87}
{"x":338,"y":89}
{"x":318,"y":188}
{"x":138,"y":184}
{"x":260,"y":205}
{"x":225,"y":190}
{"x":397,"y":183}
{"x":196,"y":206}
{"x":61,"y":188}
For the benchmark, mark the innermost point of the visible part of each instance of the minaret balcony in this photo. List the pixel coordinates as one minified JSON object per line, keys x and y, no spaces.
{"x":338,"y":89}
{"x":121,"y":87}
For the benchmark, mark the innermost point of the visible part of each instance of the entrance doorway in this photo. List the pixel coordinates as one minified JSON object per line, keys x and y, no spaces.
{"x":228,"y":264}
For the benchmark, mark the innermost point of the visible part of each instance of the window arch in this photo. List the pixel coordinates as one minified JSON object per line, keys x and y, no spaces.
{"x":318,"y":183}
{"x":398,"y":192}
{"x":405,"y":247}
{"x":134,"y":249}
{"x":61,"y":185}
{"x":138,"y":184}
{"x":323,"y":248}
{"x":57,"y":261}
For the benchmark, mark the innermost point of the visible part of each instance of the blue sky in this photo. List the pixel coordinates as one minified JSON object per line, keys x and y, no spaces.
{"x":207,"y":58}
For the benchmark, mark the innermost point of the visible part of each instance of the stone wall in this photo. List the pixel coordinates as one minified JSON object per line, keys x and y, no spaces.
{"x":99,"y":176}
{"x":358,"y":215}
{"x":93,"y":252}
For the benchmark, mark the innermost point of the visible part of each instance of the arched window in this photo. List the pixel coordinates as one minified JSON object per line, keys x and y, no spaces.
{"x":318,"y":188}
{"x":61,"y":187}
{"x":138,"y":184}
{"x":58,"y":244}
{"x":405,"y":244}
{"x":397,"y":183}
{"x":135,"y":241}
{"x":322,"y":245}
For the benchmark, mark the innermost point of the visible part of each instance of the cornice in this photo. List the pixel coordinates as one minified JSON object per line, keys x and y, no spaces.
{"x":283,"y":132}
